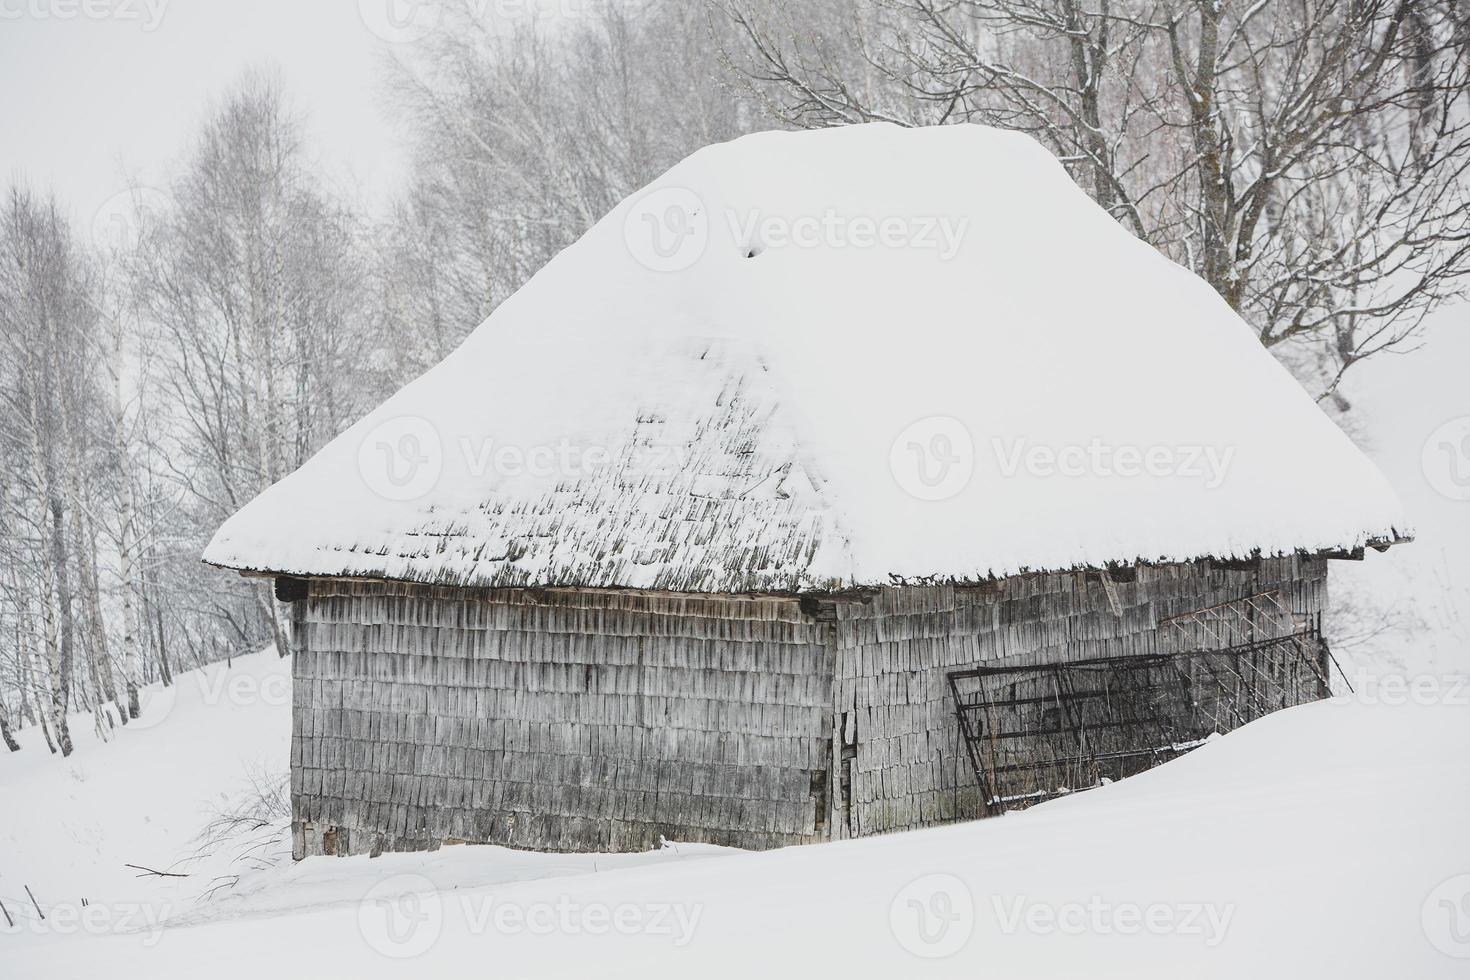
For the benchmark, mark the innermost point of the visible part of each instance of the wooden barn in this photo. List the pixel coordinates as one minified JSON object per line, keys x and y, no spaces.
{"x":837,"y":483}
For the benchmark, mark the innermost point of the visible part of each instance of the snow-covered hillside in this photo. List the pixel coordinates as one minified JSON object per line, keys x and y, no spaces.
{"x":207,"y":745}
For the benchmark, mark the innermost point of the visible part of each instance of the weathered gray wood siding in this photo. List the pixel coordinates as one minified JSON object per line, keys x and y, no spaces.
{"x":555,"y":720}
{"x":900,"y":763}
{"x":586,"y":720}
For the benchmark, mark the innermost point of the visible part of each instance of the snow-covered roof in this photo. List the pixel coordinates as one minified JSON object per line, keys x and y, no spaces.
{"x":829,"y":359}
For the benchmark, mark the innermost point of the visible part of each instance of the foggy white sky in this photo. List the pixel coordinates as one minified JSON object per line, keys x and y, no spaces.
{"x":89,"y":99}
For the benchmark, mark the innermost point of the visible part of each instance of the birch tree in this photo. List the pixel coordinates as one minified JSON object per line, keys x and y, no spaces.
{"x":46,"y":323}
{"x":250,"y":284}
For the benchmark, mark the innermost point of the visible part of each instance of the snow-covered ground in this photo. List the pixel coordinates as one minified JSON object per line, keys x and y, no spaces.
{"x":68,"y":828}
{"x":1327,"y":841}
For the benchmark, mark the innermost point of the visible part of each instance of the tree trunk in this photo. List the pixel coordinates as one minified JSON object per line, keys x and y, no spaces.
{"x":131,"y":677}
{"x":38,"y":670}
{"x":59,"y":648}
{"x":127,"y":544}
{"x":98,"y":648}
{"x":55,"y":589}
{"x":27,"y":715}
{"x":165,"y":673}
{"x":280,"y":632}
{"x":46,"y":730}
{"x":126,"y":551}
{"x":6,"y":735}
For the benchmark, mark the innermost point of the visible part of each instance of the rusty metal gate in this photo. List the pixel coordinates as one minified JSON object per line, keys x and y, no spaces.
{"x":1037,"y":732}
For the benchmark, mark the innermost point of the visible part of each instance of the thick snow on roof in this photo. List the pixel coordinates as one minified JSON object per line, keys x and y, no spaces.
{"x":824,"y":359}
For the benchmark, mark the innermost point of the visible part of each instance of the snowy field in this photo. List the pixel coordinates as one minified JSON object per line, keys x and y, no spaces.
{"x":1325,"y":841}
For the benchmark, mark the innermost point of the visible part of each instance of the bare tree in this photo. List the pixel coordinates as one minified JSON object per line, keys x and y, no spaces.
{"x":250,"y":283}
{"x":46,"y":322}
{"x":1307,"y":159}
{"x":523,"y":138}
{"x":153,"y":386}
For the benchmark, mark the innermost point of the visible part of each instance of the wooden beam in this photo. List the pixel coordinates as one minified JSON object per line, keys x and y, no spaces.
{"x":290,"y":589}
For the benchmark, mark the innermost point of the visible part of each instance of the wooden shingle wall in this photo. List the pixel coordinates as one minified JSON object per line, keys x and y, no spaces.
{"x":596,"y":720}
{"x":900,"y":763}
{"x":555,"y":720}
